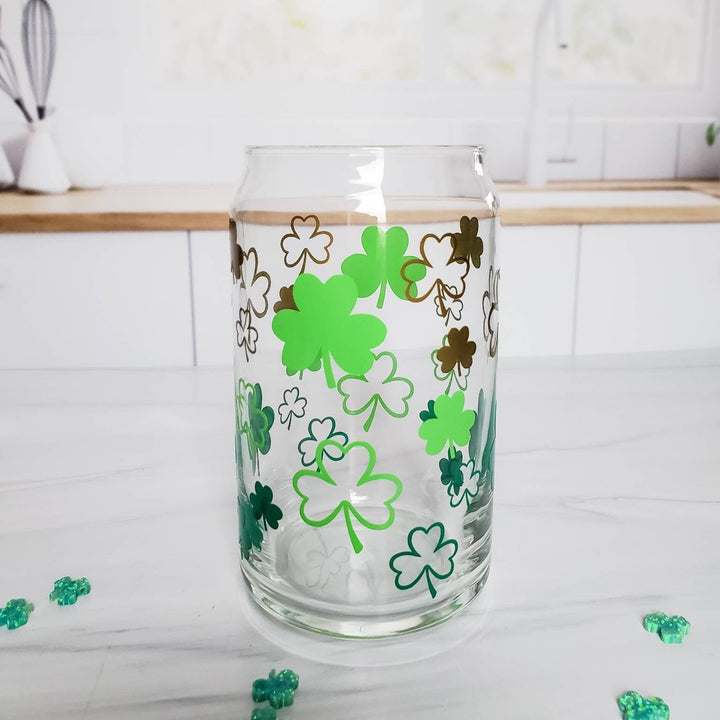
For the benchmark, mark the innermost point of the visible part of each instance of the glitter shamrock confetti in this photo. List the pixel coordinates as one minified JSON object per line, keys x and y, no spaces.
{"x":671,"y":630}
{"x":15,"y":613}
{"x":264,"y":713}
{"x":67,"y":591}
{"x":278,"y":690}
{"x":635,"y":707}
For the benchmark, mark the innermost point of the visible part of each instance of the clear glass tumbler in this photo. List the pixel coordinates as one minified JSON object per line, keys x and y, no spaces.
{"x":366,"y":334}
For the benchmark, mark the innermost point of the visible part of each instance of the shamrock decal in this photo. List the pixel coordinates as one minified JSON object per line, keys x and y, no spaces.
{"x":66,"y":591}
{"x":429,"y":413}
{"x":449,"y":307}
{"x":453,"y":360}
{"x":379,"y":387}
{"x":635,"y":707}
{"x":236,"y":253}
{"x":278,"y":690}
{"x":264,"y":713}
{"x":286,"y":301}
{"x":430,"y":556}
{"x":292,"y":406}
{"x":338,"y":485}
{"x":444,"y":275}
{"x":490,"y":312}
{"x":324,"y":565}
{"x":671,"y":630}
{"x":467,"y":246}
{"x":323,"y":328}
{"x":306,"y":241}
{"x":247,"y":335}
{"x":319,"y":430}
{"x":261,"y":502}
{"x":253,"y":420}
{"x":250,"y":532}
{"x":254,"y":285}
{"x":381,"y":264}
{"x":462,"y":479}
{"x":450,"y":425}
{"x":15,"y":613}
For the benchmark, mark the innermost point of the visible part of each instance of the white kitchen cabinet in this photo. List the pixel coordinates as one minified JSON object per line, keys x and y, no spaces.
{"x":113,"y":299}
{"x":537,"y":289}
{"x":648,"y":288}
{"x":212,"y":287}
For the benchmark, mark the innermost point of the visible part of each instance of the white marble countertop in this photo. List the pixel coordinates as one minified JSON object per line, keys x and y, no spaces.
{"x":607,"y":507}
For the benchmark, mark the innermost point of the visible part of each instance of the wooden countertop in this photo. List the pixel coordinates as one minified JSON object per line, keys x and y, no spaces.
{"x":205,"y":207}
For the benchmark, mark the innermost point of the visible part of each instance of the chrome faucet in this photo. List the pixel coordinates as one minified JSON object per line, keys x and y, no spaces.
{"x":536,"y":132}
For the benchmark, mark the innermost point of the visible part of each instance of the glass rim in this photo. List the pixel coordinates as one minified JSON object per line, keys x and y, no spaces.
{"x":271,"y":149}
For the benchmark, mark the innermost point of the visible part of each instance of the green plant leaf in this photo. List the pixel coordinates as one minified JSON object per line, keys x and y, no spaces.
{"x":381,"y":264}
{"x":379,"y":387}
{"x":450,"y":426}
{"x":324,"y":327}
{"x":344,"y":486}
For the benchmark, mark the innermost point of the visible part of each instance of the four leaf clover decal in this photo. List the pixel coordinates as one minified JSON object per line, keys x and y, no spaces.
{"x":379,"y":387}
{"x":382,"y":263}
{"x":306,"y":241}
{"x":323,"y":327}
{"x":430,"y":556}
{"x":342,"y":487}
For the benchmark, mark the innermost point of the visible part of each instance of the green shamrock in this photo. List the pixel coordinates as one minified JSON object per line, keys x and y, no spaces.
{"x":264,"y":713}
{"x":319,"y":430}
{"x":671,"y":630}
{"x":250,"y":532}
{"x":378,"y":387}
{"x":451,"y":472}
{"x":278,"y":690}
{"x":430,"y":555}
{"x":467,"y":245}
{"x":340,"y":483}
{"x":323,"y":328}
{"x":252,"y":420}
{"x":66,"y":591}
{"x":635,"y":707}
{"x":450,"y":426}
{"x":262,"y":504}
{"x":381,"y":264}
{"x":15,"y":613}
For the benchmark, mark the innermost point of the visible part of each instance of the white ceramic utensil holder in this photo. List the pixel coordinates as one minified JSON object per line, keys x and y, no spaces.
{"x":42,"y":170}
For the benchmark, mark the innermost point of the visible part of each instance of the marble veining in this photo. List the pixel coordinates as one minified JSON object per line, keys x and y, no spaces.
{"x":608,"y":486}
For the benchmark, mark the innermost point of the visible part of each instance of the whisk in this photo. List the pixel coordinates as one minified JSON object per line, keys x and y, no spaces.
{"x":8,"y":80}
{"x":39,"y":46}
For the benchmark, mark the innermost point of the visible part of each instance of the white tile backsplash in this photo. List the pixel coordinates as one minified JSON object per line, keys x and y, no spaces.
{"x":537,"y":289}
{"x":504,"y":142}
{"x":648,"y":287}
{"x":695,"y":158}
{"x":95,"y":300}
{"x":575,"y":149}
{"x":637,"y":149}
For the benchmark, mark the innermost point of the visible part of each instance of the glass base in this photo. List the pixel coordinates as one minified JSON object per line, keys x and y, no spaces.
{"x":332,"y":622}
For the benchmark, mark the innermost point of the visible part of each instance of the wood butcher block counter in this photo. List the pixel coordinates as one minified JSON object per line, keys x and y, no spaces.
{"x":205,"y":207}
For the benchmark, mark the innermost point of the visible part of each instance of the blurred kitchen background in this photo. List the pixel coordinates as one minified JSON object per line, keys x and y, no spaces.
{"x":161,"y":92}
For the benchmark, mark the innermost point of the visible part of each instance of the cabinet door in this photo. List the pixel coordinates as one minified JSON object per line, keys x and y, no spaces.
{"x":537,"y":289}
{"x":95,"y":300}
{"x":212,"y":288}
{"x":649,"y":288}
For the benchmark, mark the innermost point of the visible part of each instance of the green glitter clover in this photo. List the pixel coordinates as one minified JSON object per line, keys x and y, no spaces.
{"x":263,"y":508}
{"x":323,"y":327}
{"x":278,"y":690}
{"x":378,"y":387}
{"x":671,"y":630}
{"x":430,"y":555}
{"x":450,"y":425}
{"x":381,"y":264}
{"x":635,"y":707}
{"x":264,"y":713}
{"x":342,"y":481}
{"x":66,"y":590}
{"x":15,"y":613}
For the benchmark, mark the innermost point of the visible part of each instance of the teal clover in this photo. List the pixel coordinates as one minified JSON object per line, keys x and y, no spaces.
{"x":264,"y":713}
{"x":66,"y":591}
{"x":430,"y":556}
{"x":319,"y":430}
{"x":278,"y":690}
{"x":635,"y":707}
{"x":15,"y":613}
{"x":671,"y":630}
{"x":464,"y":482}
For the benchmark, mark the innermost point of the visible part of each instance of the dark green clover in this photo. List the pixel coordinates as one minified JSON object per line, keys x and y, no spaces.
{"x":15,"y":613}
{"x":451,"y":472}
{"x":66,"y":590}
{"x":250,"y":532}
{"x":263,"y":507}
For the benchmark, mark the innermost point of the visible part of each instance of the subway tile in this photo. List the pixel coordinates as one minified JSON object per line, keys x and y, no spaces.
{"x":695,"y":158}
{"x":575,"y":150}
{"x":648,"y":288}
{"x":640,"y":149}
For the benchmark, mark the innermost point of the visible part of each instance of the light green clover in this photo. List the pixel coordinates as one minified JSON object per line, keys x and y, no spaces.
{"x":347,"y":485}
{"x":450,"y":425}
{"x":430,"y":556}
{"x":379,"y":386}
